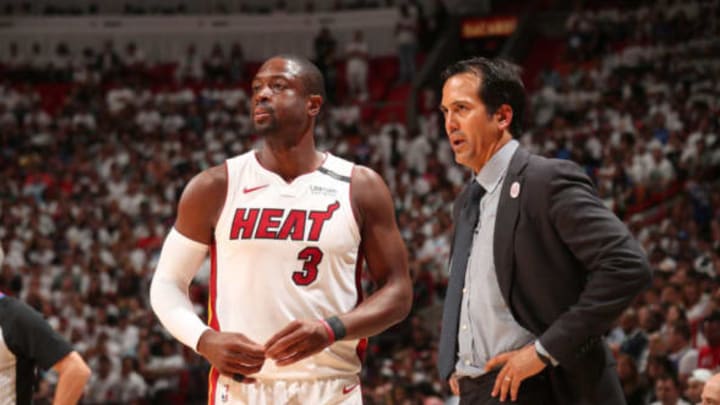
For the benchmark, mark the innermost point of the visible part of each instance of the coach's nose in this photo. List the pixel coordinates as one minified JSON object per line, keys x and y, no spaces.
{"x":451,"y":123}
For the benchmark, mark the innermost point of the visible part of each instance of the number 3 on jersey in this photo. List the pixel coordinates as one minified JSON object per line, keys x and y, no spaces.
{"x":311,"y":256}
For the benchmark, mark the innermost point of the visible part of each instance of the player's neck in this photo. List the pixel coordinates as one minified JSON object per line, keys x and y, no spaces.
{"x":290,"y":162}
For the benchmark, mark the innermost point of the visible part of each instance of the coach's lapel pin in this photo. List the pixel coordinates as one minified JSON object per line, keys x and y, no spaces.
{"x":515,"y":190}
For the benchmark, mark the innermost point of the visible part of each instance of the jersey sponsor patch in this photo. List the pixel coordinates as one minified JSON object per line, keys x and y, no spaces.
{"x":324,"y":191}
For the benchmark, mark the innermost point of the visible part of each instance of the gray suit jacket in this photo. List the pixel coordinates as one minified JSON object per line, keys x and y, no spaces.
{"x":567,"y":267}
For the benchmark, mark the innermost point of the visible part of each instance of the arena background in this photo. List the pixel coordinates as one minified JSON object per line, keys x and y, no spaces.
{"x":107,"y":108}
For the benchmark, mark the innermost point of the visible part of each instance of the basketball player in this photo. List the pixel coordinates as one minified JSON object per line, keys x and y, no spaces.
{"x":287,"y":228}
{"x":26,"y":342}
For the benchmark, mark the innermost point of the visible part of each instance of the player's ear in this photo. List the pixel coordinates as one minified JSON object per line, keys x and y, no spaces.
{"x":314,"y":103}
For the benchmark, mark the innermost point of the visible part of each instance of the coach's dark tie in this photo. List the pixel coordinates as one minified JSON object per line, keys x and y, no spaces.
{"x":464,"y":227}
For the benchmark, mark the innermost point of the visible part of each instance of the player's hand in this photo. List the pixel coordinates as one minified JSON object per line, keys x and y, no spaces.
{"x":517,"y":366}
{"x":232,"y":354}
{"x":298,"y":340}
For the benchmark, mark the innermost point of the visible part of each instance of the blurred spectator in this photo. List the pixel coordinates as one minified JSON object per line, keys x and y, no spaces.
{"x":667,"y":392}
{"x":696,"y":302}
{"x":236,"y":63}
{"x":216,"y":67}
{"x":134,"y":57}
{"x":164,"y":369}
{"x":133,"y":388}
{"x":104,"y":385}
{"x":660,"y":171}
{"x":709,"y":355}
{"x":629,"y":337}
{"x":696,"y":383}
{"x":61,"y":63}
{"x":148,"y":118}
{"x":632,"y":386}
{"x":683,"y":357}
{"x":189,"y":67}
{"x":108,"y":62}
{"x":345,"y":118}
{"x":325,"y":48}
{"x":436,"y":21}
{"x":356,"y":53}
{"x":15,"y":63}
{"x":406,"y":31}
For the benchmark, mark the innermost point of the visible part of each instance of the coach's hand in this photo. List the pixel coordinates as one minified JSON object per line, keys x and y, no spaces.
{"x":517,"y":366}
{"x":231,"y":354}
{"x":298,"y":340}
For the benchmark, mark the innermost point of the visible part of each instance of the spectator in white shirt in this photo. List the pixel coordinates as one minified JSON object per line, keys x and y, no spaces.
{"x":356,"y":68}
{"x":148,"y":119}
{"x":189,"y":66}
{"x":406,"y":40}
{"x":134,"y":57}
{"x":133,"y":387}
{"x":680,"y":352}
{"x":104,"y":384}
{"x":661,"y":172}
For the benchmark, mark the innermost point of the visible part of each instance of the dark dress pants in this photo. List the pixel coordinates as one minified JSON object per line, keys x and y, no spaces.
{"x":535,"y":390}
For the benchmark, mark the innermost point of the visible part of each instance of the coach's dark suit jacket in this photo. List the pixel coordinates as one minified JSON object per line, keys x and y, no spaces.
{"x":567,"y":267}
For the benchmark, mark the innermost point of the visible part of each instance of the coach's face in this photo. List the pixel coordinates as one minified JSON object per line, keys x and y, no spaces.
{"x":473,"y":133}
{"x":279,"y":102}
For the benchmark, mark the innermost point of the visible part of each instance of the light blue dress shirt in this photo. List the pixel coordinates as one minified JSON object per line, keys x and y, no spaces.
{"x":487,"y":327}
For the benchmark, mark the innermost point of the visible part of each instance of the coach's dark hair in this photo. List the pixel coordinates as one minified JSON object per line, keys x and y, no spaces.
{"x":500,"y":83}
{"x":311,"y":76}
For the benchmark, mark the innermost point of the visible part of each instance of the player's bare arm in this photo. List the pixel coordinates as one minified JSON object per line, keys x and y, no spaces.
{"x":201,"y":203}
{"x":386,"y":258}
{"x":387,"y":262}
{"x":198,"y":211}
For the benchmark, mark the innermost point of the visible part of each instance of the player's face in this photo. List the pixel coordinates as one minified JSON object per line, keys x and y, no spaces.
{"x":278,"y":97}
{"x":471,"y":131}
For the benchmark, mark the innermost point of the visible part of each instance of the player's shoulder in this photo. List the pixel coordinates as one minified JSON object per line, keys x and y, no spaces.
{"x":363,"y":176}
{"x":206,"y":191}
{"x":211,"y":180}
{"x":368,"y":189}
{"x":201,"y":204}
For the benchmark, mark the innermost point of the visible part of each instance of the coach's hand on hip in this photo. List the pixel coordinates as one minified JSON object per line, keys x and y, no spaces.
{"x":517,"y":366}
{"x":231,"y":353}
{"x":298,"y":340}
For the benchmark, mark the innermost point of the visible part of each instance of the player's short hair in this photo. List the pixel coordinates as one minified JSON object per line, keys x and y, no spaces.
{"x":310,"y":75}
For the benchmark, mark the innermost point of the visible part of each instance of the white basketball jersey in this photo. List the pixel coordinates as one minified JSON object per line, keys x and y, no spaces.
{"x":286,"y":251}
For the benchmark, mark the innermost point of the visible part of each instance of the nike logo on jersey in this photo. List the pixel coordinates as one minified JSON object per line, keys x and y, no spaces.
{"x":349,"y":388}
{"x":251,"y":189}
{"x":282,"y":224}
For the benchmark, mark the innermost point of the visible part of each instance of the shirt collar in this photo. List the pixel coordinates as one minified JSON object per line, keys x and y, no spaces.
{"x":494,"y":170}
